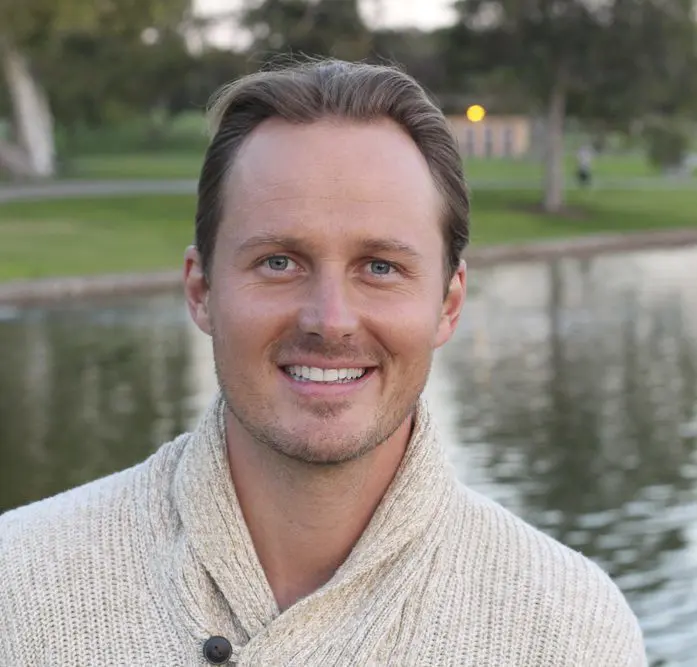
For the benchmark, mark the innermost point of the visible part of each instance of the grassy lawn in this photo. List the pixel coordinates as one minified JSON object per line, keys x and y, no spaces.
{"x":88,"y":236}
{"x":530,"y":171}
{"x":500,"y":216}
{"x":145,"y":233}
{"x":187,"y":164}
{"x":135,"y":166}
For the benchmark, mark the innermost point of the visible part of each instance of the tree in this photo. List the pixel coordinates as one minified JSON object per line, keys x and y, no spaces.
{"x":32,"y":31}
{"x":99,"y":79}
{"x":610,"y":59}
{"x":310,"y":27}
{"x":417,"y":52}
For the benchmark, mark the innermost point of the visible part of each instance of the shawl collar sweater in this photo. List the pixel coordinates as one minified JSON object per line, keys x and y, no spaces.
{"x":143,"y":567}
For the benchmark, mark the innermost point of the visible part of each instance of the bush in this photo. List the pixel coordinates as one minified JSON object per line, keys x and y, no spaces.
{"x":182,"y":133}
{"x":668,"y":142}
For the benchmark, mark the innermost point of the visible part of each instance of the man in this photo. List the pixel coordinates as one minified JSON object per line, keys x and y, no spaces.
{"x":311,"y":518}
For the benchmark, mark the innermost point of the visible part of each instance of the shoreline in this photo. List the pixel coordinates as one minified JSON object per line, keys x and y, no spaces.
{"x":49,"y":290}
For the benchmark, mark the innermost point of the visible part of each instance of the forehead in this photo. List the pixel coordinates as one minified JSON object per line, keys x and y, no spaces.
{"x":334,"y":176}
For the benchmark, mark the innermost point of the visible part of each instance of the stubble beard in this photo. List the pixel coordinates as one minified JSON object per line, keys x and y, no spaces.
{"x":268,"y":431}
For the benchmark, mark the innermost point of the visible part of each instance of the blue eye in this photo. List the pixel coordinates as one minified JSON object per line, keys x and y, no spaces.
{"x":278,"y":262}
{"x":380,"y":268}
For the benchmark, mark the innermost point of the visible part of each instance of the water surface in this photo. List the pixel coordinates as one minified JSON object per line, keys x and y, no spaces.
{"x":569,"y":394}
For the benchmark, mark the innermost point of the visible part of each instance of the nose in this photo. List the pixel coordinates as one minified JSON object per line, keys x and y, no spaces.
{"x":328,"y":311}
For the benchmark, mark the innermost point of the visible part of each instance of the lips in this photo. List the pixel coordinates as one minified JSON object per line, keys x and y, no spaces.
{"x":326,"y":388}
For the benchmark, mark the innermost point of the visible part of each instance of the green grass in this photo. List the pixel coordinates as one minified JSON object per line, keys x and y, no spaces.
{"x":619,"y":166}
{"x":187,"y":164}
{"x":89,"y":236}
{"x":530,"y":171}
{"x":135,"y":166}
{"x":500,"y":216}
{"x":145,"y":233}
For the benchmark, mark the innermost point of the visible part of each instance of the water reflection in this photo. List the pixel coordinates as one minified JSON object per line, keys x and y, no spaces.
{"x":569,"y":394}
{"x":87,"y":390}
{"x":576,"y":387}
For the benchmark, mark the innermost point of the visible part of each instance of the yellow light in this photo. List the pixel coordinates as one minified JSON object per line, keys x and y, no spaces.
{"x":475,"y":113}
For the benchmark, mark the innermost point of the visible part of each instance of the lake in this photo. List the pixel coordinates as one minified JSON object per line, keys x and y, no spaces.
{"x":569,"y":394}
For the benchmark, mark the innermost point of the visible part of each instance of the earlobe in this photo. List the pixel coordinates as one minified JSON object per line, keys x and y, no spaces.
{"x":196,"y":289}
{"x":452,"y":305}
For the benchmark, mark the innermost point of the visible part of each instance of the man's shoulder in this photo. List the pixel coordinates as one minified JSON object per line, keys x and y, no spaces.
{"x":68,"y":508}
{"x":72,"y":516}
{"x":554,"y":590}
{"x":519,"y":541}
{"x":74,"y":559}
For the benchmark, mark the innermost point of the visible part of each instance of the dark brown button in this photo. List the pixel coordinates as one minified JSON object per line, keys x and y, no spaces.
{"x":217,"y":650}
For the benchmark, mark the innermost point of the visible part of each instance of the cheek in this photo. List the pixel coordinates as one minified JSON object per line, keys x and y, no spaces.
{"x":410,"y":331}
{"x":246,"y":322}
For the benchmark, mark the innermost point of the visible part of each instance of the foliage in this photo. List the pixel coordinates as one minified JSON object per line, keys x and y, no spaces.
{"x":105,"y":80}
{"x":33,"y":25}
{"x":616,"y":60}
{"x":74,"y":61}
{"x":416,"y":51}
{"x":667,"y":142}
{"x":608,"y":60}
{"x":310,"y":27}
{"x":133,"y":139}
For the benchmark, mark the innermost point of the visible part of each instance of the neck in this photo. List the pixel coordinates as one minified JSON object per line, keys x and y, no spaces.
{"x":305,"y":519}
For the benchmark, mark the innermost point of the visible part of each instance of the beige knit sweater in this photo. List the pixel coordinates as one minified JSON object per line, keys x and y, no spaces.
{"x":142,"y":567}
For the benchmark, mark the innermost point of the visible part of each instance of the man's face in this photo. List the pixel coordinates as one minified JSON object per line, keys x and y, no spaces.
{"x":326,"y":287}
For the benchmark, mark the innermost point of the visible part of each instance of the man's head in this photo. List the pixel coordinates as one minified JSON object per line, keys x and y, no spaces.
{"x":332,"y":211}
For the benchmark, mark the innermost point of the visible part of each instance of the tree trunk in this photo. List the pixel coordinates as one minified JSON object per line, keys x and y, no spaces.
{"x":554,"y":150}
{"x":34,"y":152}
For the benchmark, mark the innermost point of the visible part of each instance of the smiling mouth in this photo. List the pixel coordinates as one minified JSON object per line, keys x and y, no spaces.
{"x":325,"y":375}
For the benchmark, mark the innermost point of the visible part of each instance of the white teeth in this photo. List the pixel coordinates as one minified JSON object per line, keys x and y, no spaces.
{"x":314,"y":374}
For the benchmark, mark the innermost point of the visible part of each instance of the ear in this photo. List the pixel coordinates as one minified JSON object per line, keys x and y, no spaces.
{"x":452,"y":305}
{"x":196,"y":290}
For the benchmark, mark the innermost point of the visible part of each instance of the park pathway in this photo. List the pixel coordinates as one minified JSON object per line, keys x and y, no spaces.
{"x":114,"y":188}
{"x":69,"y":189}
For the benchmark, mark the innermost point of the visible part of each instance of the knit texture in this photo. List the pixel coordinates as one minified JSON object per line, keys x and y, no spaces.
{"x":142,"y":567}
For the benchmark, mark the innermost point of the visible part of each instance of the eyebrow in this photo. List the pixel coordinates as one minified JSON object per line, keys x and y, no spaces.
{"x":379,"y":246}
{"x":371,"y":246}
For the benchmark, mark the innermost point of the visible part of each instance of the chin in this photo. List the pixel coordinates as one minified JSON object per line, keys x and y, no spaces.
{"x":332,"y":446}
{"x":316,"y":432}
{"x":326,"y":456}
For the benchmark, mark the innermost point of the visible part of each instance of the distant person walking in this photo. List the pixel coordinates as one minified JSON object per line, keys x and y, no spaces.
{"x":584,"y":166}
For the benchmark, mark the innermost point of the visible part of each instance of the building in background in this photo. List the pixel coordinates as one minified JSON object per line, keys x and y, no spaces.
{"x":494,"y":136}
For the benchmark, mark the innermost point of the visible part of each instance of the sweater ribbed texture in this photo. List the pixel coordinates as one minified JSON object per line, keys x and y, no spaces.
{"x":142,"y":567}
